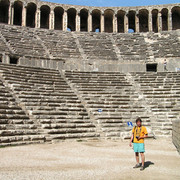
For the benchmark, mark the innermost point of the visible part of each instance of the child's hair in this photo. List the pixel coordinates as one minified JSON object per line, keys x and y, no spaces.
{"x":138,"y":119}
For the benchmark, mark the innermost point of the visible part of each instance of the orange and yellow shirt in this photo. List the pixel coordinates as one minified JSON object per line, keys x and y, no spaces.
{"x":139,"y":131}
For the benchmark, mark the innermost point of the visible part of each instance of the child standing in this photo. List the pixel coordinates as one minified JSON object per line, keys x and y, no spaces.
{"x":139,"y":132}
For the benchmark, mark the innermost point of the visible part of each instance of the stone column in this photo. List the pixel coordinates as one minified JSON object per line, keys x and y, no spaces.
{"x":137,"y":22}
{"x":24,"y":16}
{"x":6,"y":59}
{"x":37,"y":18}
{"x":169,"y":20}
{"x":115,"y":28}
{"x":9,"y":14}
{"x":126,"y":23}
{"x":78,"y":23}
{"x":65,"y":21}
{"x":89,"y":22}
{"x":159,"y":21}
{"x":102,"y":23}
{"x":150,"y":22}
{"x":12,"y":14}
{"x":51,"y":20}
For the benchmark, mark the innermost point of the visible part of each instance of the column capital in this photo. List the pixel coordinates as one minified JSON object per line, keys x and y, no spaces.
{"x":159,"y":14}
{"x":89,"y":21}
{"x":11,"y":4}
{"x":126,"y":23}
{"x":102,"y":22}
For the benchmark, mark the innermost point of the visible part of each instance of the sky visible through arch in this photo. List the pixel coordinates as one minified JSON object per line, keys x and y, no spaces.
{"x":108,"y":3}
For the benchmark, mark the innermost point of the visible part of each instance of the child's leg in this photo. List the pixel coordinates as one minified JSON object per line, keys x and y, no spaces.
{"x":137,"y":157}
{"x":142,"y":158}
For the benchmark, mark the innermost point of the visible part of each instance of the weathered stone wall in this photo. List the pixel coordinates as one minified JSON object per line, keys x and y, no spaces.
{"x":176,"y":134}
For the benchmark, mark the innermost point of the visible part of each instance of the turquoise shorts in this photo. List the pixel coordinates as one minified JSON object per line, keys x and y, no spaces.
{"x":139,"y":147}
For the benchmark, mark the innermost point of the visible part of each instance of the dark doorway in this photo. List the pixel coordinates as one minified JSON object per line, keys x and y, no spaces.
{"x":84,"y":19}
{"x":18,"y":13}
{"x":155,"y":20}
{"x":120,"y":21}
{"x":151,"y":67}
{"x":164,"y":14}
{"x":176,"y":18}
{"x":4,"y":7}
{"x":13,"y":60}
{"x":30,"y":15}
{"x":58,"y":20}
{"x":131,"y":17}
{"x":45,"y":10}
{"x":108,"y":21}
{"x":96,"y":20}
{"x":72,"y":19}
{"x":143,"y":20}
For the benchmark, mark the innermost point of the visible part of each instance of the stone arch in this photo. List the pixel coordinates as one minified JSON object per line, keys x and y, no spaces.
{"x":108,"y":20}
{"x":96,"y":18}
{"x":44,"y":21}
{"x":155,"y":20}
{"x":58,"y":18}
{"x":131,"y":20}
{"x":18,"y":6}
{"x":72,"y":19}
{"x":31,"y":14}
{"x":176,"y":17}
{"x":143,"y":20}
{"x":84,"y":20}
{"x":120,"y":21}
{"x":164,"y":15}
{"x":4,"y":11}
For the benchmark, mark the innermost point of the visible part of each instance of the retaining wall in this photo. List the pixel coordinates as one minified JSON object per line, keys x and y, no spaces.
{"x":176,"y":134}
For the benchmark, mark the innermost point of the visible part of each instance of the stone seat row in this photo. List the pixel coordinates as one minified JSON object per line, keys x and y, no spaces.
{"x":53,"y":105}
{"x":15,"y":125}
{"x":43,"y":44}
{"x":51,"y":111}
{"x":114,"y":105}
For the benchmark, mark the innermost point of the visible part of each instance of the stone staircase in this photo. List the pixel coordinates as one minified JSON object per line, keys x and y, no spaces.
{"x":132,"y":46}
{"x":5,"y":47}
{"x":23,"y":42}
{"x":165,"y":44}
{"x":111,"y":99}
{"x":49,"y":102}
{"x":15,"y":126}
{"x":97,"y":47}
{"x":61,"y":45}
{"x":161,"y":93}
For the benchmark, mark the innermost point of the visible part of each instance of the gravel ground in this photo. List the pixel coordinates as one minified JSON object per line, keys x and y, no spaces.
{"x":90,"y":160}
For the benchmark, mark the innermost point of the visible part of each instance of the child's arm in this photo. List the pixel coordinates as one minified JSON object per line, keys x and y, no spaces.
{"x":142,"y":137}
{"x":130,"y":144}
